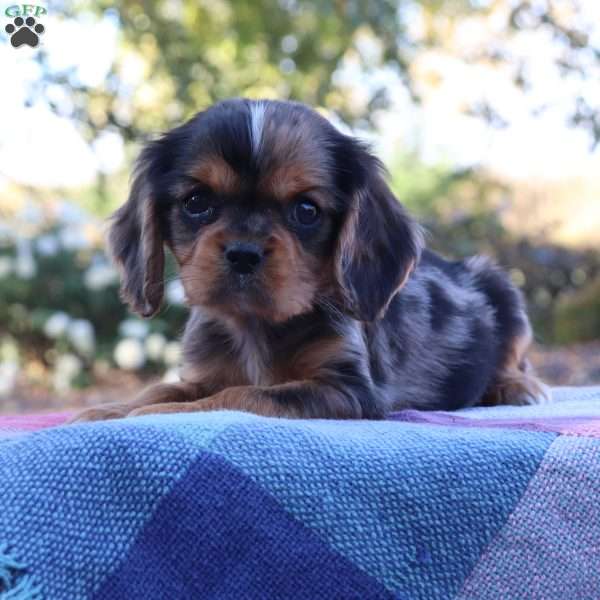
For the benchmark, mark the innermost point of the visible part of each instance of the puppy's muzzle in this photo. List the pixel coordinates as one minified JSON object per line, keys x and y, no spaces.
{"x":244,"y":258}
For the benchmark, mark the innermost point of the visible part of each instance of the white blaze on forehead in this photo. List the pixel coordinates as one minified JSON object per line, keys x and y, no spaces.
{"x":257,"y":121}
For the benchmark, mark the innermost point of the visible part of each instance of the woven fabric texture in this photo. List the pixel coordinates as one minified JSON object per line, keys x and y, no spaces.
{"x":231,"y":505}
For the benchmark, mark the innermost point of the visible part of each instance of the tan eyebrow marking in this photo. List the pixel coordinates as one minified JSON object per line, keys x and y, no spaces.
{"x":216,"y":173}
{"x":286,"y":181}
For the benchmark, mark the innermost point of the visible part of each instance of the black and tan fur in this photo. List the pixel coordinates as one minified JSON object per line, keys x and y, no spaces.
{"x":346,"y":318}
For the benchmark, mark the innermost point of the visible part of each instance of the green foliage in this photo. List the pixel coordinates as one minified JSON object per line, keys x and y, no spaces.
{"x":193,"y":53}
{"x":421,"y":187}
{"x":57,"y":285}
{"x":196,"y":53}
{"x":578,"y":315}
{"x":60,"y":307}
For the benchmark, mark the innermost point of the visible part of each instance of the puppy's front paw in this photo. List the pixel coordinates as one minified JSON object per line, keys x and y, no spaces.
{"x":144,"y":410}
{"x":100,"y":413}
{"x":161,"y":409}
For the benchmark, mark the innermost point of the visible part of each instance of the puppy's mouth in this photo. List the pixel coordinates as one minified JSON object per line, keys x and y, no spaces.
{"x":252,"y":287}
{"x":242,"y":282}
{"x":240,"y":293}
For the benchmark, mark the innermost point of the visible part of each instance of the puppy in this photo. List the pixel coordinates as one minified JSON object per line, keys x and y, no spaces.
{"x":311,"y":293}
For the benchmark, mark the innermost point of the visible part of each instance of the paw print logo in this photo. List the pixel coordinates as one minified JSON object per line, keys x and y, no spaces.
{"x":24,"y":32}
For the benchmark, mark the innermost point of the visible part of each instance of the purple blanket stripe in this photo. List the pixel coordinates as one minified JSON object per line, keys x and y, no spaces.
{"x":583,"y":426}
{"x":23,"y":423}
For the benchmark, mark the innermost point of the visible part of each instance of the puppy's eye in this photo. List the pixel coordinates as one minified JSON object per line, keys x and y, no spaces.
{"x":305,"y":212}
{"x":200,"y":207}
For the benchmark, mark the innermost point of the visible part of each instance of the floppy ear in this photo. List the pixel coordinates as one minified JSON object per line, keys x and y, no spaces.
{"x":136,"y":244}
{"x":378,"y":246}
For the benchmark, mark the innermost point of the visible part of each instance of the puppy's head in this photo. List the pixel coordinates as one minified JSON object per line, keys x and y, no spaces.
{"x":269,"y":211}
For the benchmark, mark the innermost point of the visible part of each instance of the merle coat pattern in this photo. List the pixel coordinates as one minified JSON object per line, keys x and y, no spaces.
{"x":311,"y":293}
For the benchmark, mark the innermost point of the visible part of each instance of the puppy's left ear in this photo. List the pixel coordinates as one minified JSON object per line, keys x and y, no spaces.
{"x":378,"y":247}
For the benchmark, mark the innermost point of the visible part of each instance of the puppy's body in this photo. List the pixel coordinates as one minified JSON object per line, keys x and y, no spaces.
{"x":310,"y":295}
{"x":442,"y":344}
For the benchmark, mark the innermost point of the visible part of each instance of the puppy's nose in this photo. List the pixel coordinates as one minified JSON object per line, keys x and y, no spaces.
{"x":243,"y":257}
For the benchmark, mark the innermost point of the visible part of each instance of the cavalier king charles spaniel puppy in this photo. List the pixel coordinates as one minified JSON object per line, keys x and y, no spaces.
{"x":310,"y":292}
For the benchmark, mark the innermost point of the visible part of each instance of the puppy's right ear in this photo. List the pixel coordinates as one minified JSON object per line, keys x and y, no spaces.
{"x":136,"y":244}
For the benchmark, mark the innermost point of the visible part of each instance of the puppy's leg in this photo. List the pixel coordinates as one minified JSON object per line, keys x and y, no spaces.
{"x":155,"y":394}
{"x":302,"y":399}
{"x":515,"y":383}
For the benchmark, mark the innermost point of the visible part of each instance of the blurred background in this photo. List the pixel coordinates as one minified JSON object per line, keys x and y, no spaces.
{"x":486,"y":112}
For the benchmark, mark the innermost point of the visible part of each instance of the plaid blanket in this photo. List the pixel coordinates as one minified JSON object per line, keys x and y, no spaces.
{"x":499,"y":503}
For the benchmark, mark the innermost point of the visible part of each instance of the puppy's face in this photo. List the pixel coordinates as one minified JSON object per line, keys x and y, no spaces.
{"x":252,"y":214}
{"x":268,"y":210}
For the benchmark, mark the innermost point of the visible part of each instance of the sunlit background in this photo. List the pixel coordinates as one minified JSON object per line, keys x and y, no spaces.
{"x":486,"y":112}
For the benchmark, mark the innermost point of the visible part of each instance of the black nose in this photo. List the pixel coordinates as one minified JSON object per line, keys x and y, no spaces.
{"x":243,"y":257}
